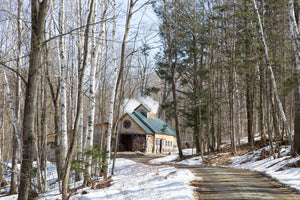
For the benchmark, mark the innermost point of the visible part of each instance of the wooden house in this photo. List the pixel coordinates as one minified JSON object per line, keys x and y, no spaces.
{"x":140,"y":130}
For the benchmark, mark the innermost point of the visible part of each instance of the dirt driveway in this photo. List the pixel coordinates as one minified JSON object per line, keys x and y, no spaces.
{"x":227,"y":183}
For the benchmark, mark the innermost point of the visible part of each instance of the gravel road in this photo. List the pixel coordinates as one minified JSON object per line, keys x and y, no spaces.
{"x":228,"y":183}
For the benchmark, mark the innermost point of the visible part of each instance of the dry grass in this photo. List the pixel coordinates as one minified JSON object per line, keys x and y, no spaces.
{"x":103,"y":183}
{"x":221,"y":159}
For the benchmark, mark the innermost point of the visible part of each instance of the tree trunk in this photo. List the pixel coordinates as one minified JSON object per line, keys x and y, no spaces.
{"x":57,"y":132}
{"x":63,"y":68}
{"x":261,"y":103}
{"x":81,"y":73}
{"x":231,"y":108}
{"x":17,"y":137}
{"x":294,"y":29}
{"x":55,"y":97}
{"x":124,"y":42}
{"x":173,"y":51}
{"x":80,"y":148}
{"x":238,"y":112}
{"x":275,"y":118}
{"x":2,"y":173}
{"x":91,"y":114}
{"x":13,"y":180}
{"x":274,"y":85}
{"x":113,"y":93}
{"x":249,"y":105}
{"x":219,"y":114}
{"x":39,"y":11}
{"x":43,"y":149}
{"x":13,"y":111}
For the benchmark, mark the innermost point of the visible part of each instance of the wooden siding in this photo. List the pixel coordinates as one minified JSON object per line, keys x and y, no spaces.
{"x":165,"y":143}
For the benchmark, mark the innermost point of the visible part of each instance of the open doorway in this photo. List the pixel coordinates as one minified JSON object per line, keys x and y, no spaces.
{"x":125,"y":142}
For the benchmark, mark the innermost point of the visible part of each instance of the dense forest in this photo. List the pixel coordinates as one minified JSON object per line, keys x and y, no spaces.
{"x":220,"y":70}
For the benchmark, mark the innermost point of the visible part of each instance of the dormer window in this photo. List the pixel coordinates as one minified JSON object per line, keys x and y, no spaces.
{"x":143,"y":112}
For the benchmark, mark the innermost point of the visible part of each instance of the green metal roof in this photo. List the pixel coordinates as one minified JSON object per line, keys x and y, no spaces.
{"x":140,"y":123}
{"x":154,"y":125}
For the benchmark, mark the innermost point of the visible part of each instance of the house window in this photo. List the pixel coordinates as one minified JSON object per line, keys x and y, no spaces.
{"x":126,"y":123}
{"x":157,"y":141}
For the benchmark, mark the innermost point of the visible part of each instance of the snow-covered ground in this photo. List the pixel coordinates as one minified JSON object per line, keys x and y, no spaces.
{"x":133,"y":180}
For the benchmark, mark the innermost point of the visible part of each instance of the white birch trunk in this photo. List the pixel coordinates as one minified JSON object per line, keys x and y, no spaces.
{"x":102,"y":77}
{"x":101,"y":40}
{"x":238,"y":112}
{"x":81,"y":139}
{"x":64,"y":133}
{"x":273,"y":78}
{"x":94,"y":63}
{"x":114,"y":87}
{"x":80,"y":145}
{"x":91,"y":113}
{"x":12,"y":109}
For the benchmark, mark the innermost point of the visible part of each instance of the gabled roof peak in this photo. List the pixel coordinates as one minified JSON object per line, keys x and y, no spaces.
{"x":145,"y":106}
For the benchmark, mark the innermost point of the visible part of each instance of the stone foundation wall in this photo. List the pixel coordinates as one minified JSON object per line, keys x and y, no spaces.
{"x":150,"y":145}
{"x":139,"y":143}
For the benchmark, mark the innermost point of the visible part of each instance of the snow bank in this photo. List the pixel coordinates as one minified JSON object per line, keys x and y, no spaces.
{"x":139,"y":181}
{"x":275,"y":168}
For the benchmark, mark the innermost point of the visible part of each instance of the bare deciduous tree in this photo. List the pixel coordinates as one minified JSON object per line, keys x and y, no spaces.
{"x":39,"y":11}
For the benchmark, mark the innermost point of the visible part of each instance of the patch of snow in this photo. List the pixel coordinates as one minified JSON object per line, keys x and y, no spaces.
{"x":174,"y":156}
